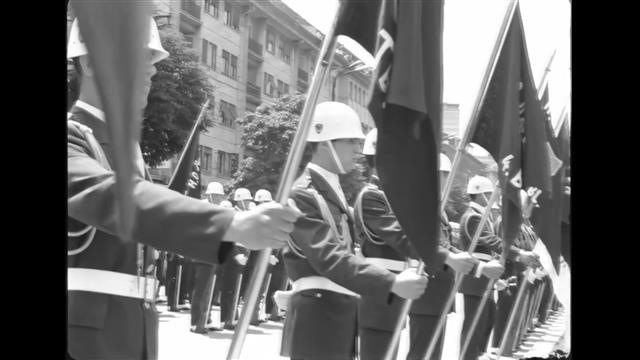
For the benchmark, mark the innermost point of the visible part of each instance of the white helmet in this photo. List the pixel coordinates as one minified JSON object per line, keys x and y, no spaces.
{"x":252,"y":205}
{"x":263,"y":195}
{"x":369,"y":147}
{"x":75,"y":46}
{"x":242,"y":194}
{"x":215,"y":188}
{"x":445,"y":163}
{"x":226,"y":204}
{"x":334,"y":120}
{"x":479,"y":184}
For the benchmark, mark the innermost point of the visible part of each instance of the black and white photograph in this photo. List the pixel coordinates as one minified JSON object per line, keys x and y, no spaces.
{"x":319,"y":179}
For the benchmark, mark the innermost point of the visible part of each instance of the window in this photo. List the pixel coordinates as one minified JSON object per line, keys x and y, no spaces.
{"x":189,"y":40}
{"x":231,"y":16}
{"x":209,"y":51}
{"x":211,"y":7}
{"x":283,"y":89}
{"x":227,"y":163}
{"x":286,"y":89}
{"x":269,"y":84}
{"x":284,"y":51}
{"x":234,"y":66}
{"x":230,"y":64}
{"x":227,"y":113}
{"x":351,"y":90}
{"x":206,"y":156}
{"x":271,"y":42}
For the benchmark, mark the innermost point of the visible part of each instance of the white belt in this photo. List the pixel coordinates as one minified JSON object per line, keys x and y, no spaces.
{"x":112,"y":283}
{"x":482,"y":256}
{"x":319,"y":282}
{"x":392,"y":265}
{"x":413,"y":263}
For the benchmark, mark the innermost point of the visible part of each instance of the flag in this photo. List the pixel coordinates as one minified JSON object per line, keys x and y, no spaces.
{"x":564,"y":149}
{"x":115,"y":33}
{"x":358,"y":20}
{"x":547,"y":218}
{"x":187,"y":174}
{"x":511,"y":128}
{"x":406,"y":105}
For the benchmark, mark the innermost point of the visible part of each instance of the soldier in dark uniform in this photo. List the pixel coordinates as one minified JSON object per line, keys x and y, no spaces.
{"x":513,"y":276}
{"x":111,"y":294}
{"x":204,"y":276}
{"x":232,"y":272}
{"x":473,"y":285}
{"x":327,"y":276}
{"x":385,"y":244}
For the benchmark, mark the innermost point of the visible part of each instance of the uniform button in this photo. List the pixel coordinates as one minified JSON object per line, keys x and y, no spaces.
{"x":318,"y":295}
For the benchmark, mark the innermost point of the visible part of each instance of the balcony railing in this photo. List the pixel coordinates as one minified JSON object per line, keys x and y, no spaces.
{"x":255,"y":46}
{"x":191,"y":8}
{"x":303,"y":76}
{"x":253,"y":90}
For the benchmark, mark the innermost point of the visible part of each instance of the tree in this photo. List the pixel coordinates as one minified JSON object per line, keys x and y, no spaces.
{"x":178,"y":90}
{"x":268,"y":134}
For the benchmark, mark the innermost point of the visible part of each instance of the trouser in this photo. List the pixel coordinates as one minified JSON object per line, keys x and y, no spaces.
{"x":320,"y":324}
{"x":421,"y":329}
{"x":203,"y":283}
{"x":480,"y":337}
{"x":506,"y":299}
{"x":374,"y":343}
{"x":217,"y":287}
{"x":173,"y":264}
{"x":545,"y":302}
{"x":279,"y":280}
{"x":246,"y":277}
{"x":230,"y":287}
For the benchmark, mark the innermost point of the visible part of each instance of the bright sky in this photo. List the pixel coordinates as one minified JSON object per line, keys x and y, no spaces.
{"x":470,"y":29}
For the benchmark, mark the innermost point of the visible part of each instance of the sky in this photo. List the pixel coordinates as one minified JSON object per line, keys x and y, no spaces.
{"x":470,"y":30}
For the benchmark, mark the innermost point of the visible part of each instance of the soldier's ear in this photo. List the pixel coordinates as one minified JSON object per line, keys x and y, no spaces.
{"x":86,"y":65}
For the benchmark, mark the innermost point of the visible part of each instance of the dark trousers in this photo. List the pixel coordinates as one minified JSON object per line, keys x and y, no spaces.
{"x":545,"y":302}
{"x":230,"y":275}
{"x":480,"y":337}
{"x":203,"y":284}
{"x":217,"y":287}
{"x":278,"y":282}
{"x":320,"y":324}
{"x":246,"y":277}
{"x":421,"y":330}
{"x":374,"y":343}
{"x":506,"y":299}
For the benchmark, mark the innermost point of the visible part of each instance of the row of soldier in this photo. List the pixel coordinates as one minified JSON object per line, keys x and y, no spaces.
{"x":223,"y":285}
{"x":338,"y":294}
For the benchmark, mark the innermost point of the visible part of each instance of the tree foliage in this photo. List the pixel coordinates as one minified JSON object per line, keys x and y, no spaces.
{"x":268,"y":134}
{"x":178,"y":90}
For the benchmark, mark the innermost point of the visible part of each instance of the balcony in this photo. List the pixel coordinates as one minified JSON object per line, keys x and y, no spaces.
{"x":254,"y":94}
{"x":190,"y":13}
{"x":303,"y":76}
{"x":255,"y":50}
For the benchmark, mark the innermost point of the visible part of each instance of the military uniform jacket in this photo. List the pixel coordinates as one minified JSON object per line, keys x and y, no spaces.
{"x":488,"y":243}
{"x":102,"y":326}
{"x":390,"y":242}
{"x":324,"y":254}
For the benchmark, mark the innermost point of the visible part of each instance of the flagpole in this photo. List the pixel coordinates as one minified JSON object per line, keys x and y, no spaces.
{"x":186,"y":144}
{"x":293,"y":161}
{"x":514,"y":310}
{"x":545,"y":76}
{"x":469,"y":130}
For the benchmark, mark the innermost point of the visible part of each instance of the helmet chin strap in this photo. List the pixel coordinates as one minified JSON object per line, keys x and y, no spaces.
{"x":336,"y":159}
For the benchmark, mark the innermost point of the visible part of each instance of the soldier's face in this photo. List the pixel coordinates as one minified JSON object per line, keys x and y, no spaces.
{"x":349,"y":151}
{"x":150,"y":71}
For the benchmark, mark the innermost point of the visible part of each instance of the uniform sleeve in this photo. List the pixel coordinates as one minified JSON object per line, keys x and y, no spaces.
{"x":333,"y":259}
{"x":489,"y":238}
{"x":165,"y":219}
{"x":383,"y":223}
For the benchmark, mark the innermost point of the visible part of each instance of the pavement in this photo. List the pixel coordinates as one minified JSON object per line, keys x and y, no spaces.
{"x":176,"y":342}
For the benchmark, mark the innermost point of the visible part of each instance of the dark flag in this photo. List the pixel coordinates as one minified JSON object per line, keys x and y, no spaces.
{"x":511,"y":128}
{"x":547,"y":218}
{"x":564,"y":149}
{"x":406,"y":105}
{"x":359,"y":21}
{"x":187,"y":176}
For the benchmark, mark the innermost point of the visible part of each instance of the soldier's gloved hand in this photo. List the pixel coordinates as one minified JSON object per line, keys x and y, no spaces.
{"x":267,"y":225}
{"x":492,"y":269}
{"x":528,"y":258}
{"x":409,"y":284}
{"x":241,"y":259}
{"x":501,"y":285}
{"x":512,"y":281}
{"x":461,"y":262}
{"x":273,"y":260}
